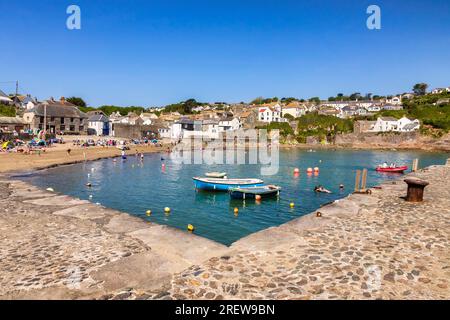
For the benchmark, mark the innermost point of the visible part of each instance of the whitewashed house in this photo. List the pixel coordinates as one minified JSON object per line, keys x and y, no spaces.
{"x":373,"y":108}
{"x":229,"y":123}
{"x":270,"y":113}
{"x":397,"y":100}
{"x":386,"y":124}
{"x":407,"y":125}
{"x":99,"y":125}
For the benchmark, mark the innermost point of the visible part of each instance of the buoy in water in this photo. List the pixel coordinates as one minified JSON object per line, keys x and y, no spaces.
{"x":50,"y":189}
{"x":90,"y":196}
{"x":258,"y":197}
{"x":89,"y":184}
{"x":316,"y":169}
{"x":236,"y":210}
{"x":166,"y":209}
{"x":292,"y":205}
{"x":309,"y":170}
{"x":148,"y":213}
{"x":296,"y":170}
{"x":190,"y":227}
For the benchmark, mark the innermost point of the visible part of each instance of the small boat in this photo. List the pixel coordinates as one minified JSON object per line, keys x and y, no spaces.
{"x":216,"y":174}
{"x":394,"y":170}
{"x":219,"y":184}
{"x":252,"y":192}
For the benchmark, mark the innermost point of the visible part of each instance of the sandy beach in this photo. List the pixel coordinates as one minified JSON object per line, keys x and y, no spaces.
{"x":57,"y":155}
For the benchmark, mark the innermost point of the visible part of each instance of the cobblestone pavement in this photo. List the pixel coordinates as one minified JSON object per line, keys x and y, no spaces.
{"x":386,"y":249}
{"x":54,"y":246}
{"x":374,"y":246}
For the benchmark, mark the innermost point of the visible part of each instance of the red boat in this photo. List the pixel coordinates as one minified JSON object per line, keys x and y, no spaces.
{"x":396,"y":169}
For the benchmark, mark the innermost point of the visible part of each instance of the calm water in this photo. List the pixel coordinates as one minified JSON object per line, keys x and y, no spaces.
{"x":135,"y":187}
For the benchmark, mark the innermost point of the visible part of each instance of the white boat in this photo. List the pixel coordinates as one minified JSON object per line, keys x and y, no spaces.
{"x":216,"y":174}
{"x":218,"y":184}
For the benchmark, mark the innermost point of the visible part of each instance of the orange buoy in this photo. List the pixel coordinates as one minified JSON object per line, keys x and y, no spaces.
{"x":236,"y":210}
{"x":296,"y":170}
{"x":316,"y":169}
{"x":258,"y":197}
{"x":309,"y":170}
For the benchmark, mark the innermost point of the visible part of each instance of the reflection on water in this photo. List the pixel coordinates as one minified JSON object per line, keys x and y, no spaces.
{"x":136,"y":186}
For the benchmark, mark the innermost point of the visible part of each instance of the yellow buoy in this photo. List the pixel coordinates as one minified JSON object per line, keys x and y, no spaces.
{"x":149,"y":212}
{"x":292,"y":205}
{"x":190,"y":227}
{"x":166,"y":209}
{"x":236,"y":210}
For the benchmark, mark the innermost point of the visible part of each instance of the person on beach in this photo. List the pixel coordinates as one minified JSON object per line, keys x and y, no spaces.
{"x":69,"y":151}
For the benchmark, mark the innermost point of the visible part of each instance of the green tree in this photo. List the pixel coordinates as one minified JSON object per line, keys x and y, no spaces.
{"x":420,"y":88}
{"x":79,"y":102}
{"x":7,"y":111}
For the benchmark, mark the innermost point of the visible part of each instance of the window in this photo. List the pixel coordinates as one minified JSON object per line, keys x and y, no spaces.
{"x":72,"y":128}
{"x":52,"y":119}
{"x":62,"y":119}
{"x":71,"y":119}
{"x":62,"y":127}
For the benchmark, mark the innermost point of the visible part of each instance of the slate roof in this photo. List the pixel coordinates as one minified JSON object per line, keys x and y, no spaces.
{"x":57,"y":109}
{"x":98,"y":118}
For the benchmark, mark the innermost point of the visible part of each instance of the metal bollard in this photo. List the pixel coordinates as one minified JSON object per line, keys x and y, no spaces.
{"x":415,"y":189}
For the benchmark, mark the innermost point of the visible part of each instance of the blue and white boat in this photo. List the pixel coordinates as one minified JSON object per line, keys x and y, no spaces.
{"x":218,"y":184}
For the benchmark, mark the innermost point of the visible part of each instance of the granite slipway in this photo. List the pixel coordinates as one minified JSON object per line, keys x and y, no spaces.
{"x":54,"y":246}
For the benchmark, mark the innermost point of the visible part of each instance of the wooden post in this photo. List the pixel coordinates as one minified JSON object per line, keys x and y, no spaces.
{"x":364,"y":180}
{"x":415,"y":189}
{"x":357,"y":179}
{"x":415,"y":165}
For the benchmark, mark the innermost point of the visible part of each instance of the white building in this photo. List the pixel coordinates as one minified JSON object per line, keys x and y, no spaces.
{"x":270,"y":113}
{"x":99,"y":124}
{"x":394,"y":100}
{"x":148,"y":118}
{"x":386,"y":124}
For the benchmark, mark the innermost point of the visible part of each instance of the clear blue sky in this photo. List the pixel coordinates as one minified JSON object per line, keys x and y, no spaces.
{"x":159,"y":52}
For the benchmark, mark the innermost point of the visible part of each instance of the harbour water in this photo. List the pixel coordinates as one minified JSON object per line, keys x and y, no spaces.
{"x":135,"y":186}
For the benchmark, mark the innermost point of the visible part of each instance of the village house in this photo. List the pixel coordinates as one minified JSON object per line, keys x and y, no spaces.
{"x":440,"y":90}
{"x":392,"y":107}
{"x":329,"y":111}
{"x":397,"y":100}
{"x":248,"y":119}
{"x":98,"y":124}
{"x":386,"y":124}
{"x":295,"y":109}
{"x":270,"y":112}
{"x":25,"y":102}
{"x":13,"y":125}
{"x":60,"y":117}
{"x":229,"y":123}
{"x":148,"y":118}
{"x":407,"y":96}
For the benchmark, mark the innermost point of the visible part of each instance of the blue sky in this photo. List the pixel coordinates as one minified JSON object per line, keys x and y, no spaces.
{"x":158,"y":52}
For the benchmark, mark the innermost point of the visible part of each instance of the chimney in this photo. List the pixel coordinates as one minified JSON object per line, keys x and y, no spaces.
{"x":63,"y":100}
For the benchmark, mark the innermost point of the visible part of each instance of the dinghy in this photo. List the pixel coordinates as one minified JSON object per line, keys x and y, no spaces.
{"x":218,"y":184}
{"x":252,"y":192}
{"x":216,"y":174}
{"x":394,"y":170}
